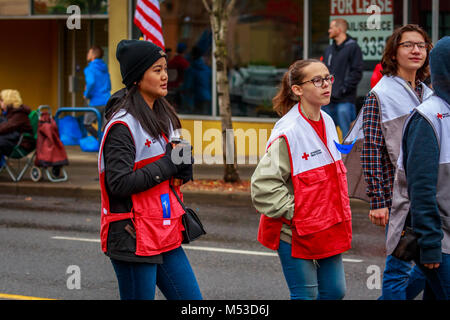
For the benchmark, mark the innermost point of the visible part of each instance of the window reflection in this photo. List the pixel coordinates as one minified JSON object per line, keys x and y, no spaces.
{"x":60,"y":6}
{"x":265,"y":37}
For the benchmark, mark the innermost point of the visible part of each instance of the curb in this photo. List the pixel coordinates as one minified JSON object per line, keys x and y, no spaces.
{"x":50,"y":190}
{"x":93,"y":193}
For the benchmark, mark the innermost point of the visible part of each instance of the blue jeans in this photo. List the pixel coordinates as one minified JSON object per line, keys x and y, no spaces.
{"x":309,"y":280}
{"x":343,"y":114}
{"x":401,"y":280}
{"x":174,"y":277}
{"x":438,"y":280}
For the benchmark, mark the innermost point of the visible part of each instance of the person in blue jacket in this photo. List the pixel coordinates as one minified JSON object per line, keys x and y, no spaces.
{"x":197,"y":84}
{"x":98,"y":86}
{"x":427,"y":175}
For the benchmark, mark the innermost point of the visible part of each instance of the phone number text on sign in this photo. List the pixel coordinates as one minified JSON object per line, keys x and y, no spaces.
{"x":369,"y":22}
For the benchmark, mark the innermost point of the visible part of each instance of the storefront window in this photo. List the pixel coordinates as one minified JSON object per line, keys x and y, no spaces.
{"x":444,"y":22}
{"x":60,"y":6}
{"x":370,"y":27}
{"x":265,"y":37}
{"x":14,"y":7}
{"x":188,"y":44}
{"x":421,"y":14}
{"x":320,"y":21}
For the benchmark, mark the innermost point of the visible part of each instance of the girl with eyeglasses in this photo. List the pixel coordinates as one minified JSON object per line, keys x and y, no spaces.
{"x":300,"y":187}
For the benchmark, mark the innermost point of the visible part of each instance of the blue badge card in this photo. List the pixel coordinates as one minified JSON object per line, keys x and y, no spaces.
{"x":344,"y":148}
{"x":165,"y":203}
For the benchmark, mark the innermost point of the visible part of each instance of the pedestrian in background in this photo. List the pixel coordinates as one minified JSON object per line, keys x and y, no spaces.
{"x":344,"y":60}
{"x":98,"y":87}
{"x":177,"y":65}
{"x":196,"y":89}
{"x":300,"y":187}
{"x":404,"y":67}
{"x":15,"y":122}
{"x":141,"y":221}
{"x":180,"y":64}
{"x":422,"y":202}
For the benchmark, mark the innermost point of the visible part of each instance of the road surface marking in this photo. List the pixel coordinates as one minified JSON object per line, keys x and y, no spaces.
{"x":199,"y":248}
{"x":76,"y":239}
{"x":19,"y":297}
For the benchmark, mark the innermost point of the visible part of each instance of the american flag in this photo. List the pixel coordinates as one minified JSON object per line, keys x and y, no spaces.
{"x":148,"y":18}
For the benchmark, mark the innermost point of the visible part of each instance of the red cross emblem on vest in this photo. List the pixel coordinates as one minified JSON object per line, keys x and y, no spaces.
{"x":305,"y":156}
{"x":148,"y":143}
{"x":439,"y":116}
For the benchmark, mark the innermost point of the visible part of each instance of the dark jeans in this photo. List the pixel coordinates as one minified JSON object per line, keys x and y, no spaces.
{"x":343,"y":114}
{"x":90,"y":118}
{"x":8,"y":142}
{"x":174,"y":277}
{"x":402,"y":280}
{"x":438,"y":280}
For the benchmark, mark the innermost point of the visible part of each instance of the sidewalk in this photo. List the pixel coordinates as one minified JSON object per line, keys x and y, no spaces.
{"x":83,"y":183}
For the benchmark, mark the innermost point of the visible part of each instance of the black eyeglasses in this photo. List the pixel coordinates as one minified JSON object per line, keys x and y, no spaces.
{"x":318,"y":81}
{"x":410,"y":45}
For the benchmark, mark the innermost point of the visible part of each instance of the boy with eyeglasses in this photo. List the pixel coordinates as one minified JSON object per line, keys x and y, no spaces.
{"x":421,"y":191}
{"x":378,"y":132}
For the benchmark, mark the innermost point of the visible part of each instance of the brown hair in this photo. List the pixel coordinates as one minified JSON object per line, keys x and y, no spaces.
{"x":97,"y":51}
{"x":341,"y":23}
{"x":285,"y":98}
{"x":390,"y":65}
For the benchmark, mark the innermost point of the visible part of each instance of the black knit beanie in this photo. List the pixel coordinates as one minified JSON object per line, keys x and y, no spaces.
{"x":135,"y":57}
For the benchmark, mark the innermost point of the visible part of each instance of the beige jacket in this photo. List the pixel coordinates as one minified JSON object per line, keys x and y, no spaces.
{"x":272,"y":190}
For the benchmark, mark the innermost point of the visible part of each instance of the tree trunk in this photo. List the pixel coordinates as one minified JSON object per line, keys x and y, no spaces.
{"x":219,"y":13}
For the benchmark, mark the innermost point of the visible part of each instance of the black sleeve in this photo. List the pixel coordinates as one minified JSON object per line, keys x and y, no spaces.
{"x":355,"y":73}
{"x":119,"y":154}
{"x":421,"y":147}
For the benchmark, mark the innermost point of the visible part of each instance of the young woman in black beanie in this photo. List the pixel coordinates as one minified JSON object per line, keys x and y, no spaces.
{"x":141,"y":229}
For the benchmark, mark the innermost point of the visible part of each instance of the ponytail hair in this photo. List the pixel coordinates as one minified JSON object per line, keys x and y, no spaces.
{"x":285,"y":98}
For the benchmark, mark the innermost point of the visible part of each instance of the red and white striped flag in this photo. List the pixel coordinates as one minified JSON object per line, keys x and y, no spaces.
{"x":148,"y":18}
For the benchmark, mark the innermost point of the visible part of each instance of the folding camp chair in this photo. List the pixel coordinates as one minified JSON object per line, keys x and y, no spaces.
{"x":21,"y":156}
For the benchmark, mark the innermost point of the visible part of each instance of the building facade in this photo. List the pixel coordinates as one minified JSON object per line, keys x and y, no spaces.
{"x":43,"y":52}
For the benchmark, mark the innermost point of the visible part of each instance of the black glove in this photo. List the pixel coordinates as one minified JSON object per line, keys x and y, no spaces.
{"x":166,"y":166}
{"x":186,"y":174}
{"x":185,"y":171}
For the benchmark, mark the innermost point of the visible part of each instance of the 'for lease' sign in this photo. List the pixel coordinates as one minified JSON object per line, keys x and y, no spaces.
{"x":370,"y":22}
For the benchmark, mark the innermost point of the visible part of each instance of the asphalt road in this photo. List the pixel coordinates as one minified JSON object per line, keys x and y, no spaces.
{"x":50,"y":249}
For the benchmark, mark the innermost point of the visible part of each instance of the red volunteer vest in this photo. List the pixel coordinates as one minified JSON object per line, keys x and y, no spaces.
{"x":156,"y":213}
{"x":321,"y":226}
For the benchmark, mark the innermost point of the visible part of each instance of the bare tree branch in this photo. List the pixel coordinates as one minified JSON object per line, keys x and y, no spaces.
{"x":230,"y":6}
{"x":207,"y":6}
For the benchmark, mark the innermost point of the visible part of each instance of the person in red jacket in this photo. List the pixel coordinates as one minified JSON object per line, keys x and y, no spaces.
{"x":300,"y":187}
{"x":376,"y":75}
{"x":14,"y":123}
{"x":141,"y":219}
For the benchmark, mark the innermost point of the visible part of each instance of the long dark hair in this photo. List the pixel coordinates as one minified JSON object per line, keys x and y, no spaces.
{"x":155,"y":121}
{"x":285,"y":98}
{"x":390,"y":65}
